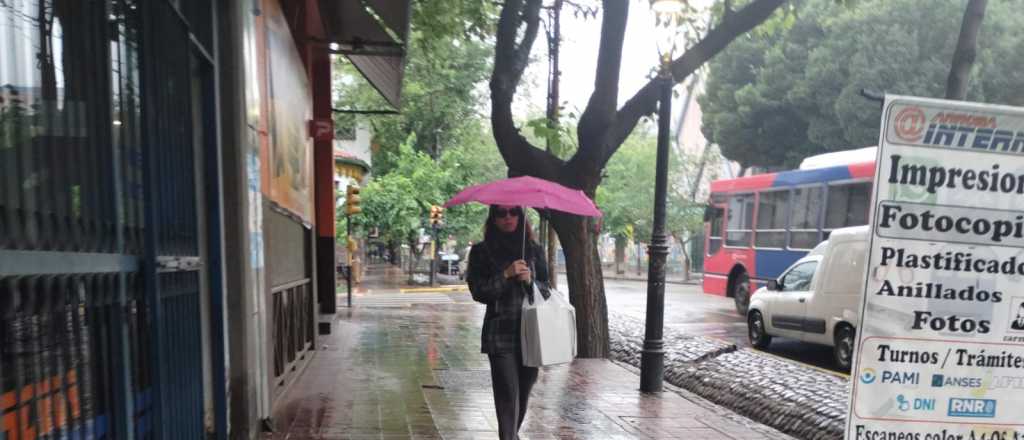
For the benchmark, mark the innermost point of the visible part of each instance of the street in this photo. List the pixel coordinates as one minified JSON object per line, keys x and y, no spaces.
{"x":689,"y":310}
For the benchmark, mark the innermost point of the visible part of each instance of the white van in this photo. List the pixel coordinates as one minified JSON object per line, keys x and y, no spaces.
{"x":817,"y":299}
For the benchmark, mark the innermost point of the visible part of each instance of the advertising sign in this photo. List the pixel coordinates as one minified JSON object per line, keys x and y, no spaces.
{"x":290,"y":155}
{"x":941,"y":341}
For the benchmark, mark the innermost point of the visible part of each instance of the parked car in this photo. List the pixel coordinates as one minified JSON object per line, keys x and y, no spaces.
{"x":817,"y":299}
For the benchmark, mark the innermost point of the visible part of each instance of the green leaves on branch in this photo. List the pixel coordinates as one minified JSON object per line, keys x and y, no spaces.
{"x":559,"y":137}
{"x":626,"y":196}
{"x":397,"y":203}
{"x":791,"y":88}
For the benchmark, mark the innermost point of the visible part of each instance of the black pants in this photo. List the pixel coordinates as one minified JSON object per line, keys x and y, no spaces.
{"x":512,"y":383}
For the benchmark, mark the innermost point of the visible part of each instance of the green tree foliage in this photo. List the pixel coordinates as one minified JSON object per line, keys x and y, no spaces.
{"x":441,"y":92}
{"x":440,"y":142}
{"x":627,"y":195}
{"x":398,"y":203}
{"x":792,"y":90}
{"x":454,"y":19}
{"x":472,"y":162}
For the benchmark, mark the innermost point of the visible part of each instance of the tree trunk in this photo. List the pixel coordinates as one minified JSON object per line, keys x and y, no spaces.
{"x":700,"y":172}
{"x":603,"y":126}
{"x":414,"y":259}
{"x":586,"y":284}
{"x":620,"y":254}
{"x":966,"y":50}
{"x":686,"y":255}
{"x":638,"y":246}
{"x":394,"y":256}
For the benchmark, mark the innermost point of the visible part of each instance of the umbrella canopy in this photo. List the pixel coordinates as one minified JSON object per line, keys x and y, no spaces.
{"x":530,"y":192}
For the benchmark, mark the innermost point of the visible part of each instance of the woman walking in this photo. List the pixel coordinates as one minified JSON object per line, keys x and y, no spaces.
{"x":501,"y":270}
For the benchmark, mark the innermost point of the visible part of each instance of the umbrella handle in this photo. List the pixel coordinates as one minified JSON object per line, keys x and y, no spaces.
{"x":523,"y":209}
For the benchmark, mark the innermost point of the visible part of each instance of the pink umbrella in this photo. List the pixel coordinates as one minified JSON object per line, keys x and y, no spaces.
{"x":530,"y":192}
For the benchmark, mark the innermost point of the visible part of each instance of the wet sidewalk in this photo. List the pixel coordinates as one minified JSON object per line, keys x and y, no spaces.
{"x":414,"y":371}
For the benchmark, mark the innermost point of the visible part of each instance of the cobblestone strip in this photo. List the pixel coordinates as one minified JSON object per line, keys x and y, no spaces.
{"x":798,"y":400}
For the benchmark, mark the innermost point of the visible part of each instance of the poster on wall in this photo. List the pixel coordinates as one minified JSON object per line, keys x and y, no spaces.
{"x":290,"y":155}
{"x":941,"y":340}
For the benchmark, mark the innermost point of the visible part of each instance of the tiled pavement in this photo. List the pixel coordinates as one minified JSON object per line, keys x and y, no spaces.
{"x":415,"y":372}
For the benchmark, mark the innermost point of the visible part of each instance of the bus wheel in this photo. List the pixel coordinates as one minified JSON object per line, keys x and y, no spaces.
{"x":741,"y":293}
{"x":844,"y":347}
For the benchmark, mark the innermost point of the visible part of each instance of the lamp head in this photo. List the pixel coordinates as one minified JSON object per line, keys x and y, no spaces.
{"x":668,"y":23}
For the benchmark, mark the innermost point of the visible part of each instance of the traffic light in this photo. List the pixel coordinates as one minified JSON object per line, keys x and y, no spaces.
{"x":352,"y":201}
{"x":436,"y":215}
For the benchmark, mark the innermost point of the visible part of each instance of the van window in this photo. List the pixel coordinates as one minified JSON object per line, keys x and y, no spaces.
{"x":846,"y":268}
{"x":848,"y":205}
{"x":804,"y":222}
{"x":799,"y":278}
{"x":739,"y":220}
{"x":771,"y":219}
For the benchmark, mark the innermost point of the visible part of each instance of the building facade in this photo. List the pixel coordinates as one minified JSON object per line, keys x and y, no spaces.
{"x":167,"y":206}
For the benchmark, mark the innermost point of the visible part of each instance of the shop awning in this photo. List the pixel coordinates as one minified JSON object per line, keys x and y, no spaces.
{"x":373,"y":35}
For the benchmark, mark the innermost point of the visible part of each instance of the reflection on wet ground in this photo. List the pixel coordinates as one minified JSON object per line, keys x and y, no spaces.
{"x":693,"y":312}
{"x":415,"y":371}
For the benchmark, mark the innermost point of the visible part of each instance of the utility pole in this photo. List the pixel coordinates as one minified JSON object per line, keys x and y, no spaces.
{"x":554,"y":34}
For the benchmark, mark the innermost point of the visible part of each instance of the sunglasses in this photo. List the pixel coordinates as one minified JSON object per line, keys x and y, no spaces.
{"x":502,"y":212}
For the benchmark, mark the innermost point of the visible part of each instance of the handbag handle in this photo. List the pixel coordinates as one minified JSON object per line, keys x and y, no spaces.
{"x":544,"y":288}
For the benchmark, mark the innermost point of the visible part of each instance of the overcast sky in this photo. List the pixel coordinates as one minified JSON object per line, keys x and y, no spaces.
{"x":578,"y":59}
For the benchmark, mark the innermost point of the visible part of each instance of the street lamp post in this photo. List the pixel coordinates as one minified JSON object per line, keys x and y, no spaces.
{"x":668,"y":15}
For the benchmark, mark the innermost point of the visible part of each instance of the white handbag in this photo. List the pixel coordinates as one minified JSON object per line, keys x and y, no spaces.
{"x":548,"y":329}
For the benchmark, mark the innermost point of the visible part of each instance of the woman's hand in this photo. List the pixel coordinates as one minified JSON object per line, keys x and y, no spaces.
{"x":518,"y":270}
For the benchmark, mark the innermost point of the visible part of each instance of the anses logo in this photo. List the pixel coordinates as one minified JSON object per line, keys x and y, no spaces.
{"x":910,"y":124}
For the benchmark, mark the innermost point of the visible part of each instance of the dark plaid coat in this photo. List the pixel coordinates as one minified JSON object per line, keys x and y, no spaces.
{"x":503,"y":296}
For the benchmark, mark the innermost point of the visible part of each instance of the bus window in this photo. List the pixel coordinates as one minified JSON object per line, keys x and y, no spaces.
{"x":848,"y":205}
{"x":804,"y":224}
{"x":714,"y":216}
{"x":739,"y":220}
{"x":771,"y":219}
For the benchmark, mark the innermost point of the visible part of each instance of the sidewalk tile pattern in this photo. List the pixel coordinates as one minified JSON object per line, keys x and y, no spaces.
{"x":415,"y":372}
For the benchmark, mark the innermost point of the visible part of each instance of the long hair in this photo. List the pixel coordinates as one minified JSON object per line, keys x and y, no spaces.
{"x":491,"y":232}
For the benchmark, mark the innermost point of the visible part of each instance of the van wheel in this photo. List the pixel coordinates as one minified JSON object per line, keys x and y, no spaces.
{"x":741,"y":293}
{"x":759,"y":337}
{"x":844,"y":347}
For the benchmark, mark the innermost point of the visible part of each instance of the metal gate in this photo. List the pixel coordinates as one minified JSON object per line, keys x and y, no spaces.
{"x":100,"y":281}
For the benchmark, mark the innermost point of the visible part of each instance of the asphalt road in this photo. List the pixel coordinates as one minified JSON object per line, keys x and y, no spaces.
{"x":689,"y":310}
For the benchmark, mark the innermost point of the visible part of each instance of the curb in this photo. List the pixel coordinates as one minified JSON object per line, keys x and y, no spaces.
{"x":434,"y":289}
{"x":720,"y":410}
{"x":801,"y":401}
{"x":695,"y":281}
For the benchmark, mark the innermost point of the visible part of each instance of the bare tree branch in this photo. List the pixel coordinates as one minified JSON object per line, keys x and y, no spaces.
{"x":510,"y":61}
{"x":532,"y":18}
{"x":644,"y":102}
{"x":600,"y":111}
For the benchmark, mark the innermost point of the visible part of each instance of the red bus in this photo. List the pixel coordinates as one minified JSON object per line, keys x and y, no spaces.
{"x":757,"y":226}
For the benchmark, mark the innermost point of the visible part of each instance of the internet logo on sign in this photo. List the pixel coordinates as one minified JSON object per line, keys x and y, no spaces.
{"x":868,"y":376}
{"x":910,"y":123}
